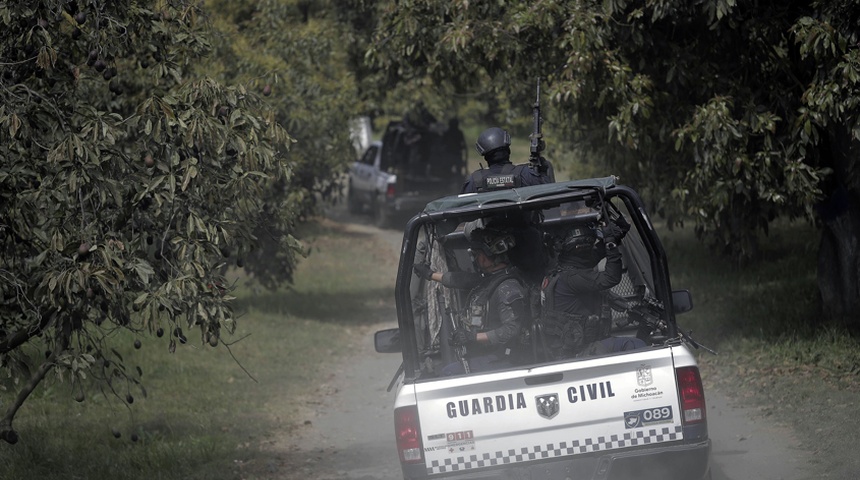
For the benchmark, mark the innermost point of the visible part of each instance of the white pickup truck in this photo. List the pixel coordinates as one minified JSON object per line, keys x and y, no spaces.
{"x":637,"y":414}
{"x":395,"y":177}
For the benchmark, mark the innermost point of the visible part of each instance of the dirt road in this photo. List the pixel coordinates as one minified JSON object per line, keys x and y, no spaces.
{"x":352,"y":434}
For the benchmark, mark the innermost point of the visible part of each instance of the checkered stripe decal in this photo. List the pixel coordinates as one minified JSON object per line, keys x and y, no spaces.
{"x":632,"y":439}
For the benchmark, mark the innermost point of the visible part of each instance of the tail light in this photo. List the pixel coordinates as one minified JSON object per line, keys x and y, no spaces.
{"x":692,"y":395}
{"x":390,"y":190}
{"x":408,"y":434}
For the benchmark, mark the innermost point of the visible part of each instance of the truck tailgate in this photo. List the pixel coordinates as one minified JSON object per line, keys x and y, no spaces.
{"x":553,"y":411}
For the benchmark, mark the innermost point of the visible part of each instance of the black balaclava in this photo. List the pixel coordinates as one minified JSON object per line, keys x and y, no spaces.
{"x":500,"y":155}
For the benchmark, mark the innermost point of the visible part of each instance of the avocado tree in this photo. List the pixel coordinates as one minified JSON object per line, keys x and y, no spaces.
{"x":125,"y":178}
{"x":729,"y":114}
{"x":294,"y":53}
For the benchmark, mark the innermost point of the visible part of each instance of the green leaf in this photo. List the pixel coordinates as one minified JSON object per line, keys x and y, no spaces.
{"x":141,"y":299}
{"x":144,"y":271}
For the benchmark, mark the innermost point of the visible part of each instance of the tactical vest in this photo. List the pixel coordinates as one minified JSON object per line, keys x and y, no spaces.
{"x":509,"y":177}
{"x":568,"y":333}
{"x":479,"y":304}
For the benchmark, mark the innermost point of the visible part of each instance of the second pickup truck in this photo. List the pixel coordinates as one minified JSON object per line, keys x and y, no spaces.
{"x":396,"y":177}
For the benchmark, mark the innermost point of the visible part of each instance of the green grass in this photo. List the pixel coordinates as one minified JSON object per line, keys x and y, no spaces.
{"x":764,"y":320}
{"x":773,"y":297}
{"x":204,"y":416}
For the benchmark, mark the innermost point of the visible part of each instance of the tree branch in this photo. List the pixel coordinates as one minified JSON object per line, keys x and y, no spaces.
{"x":21,"y":337}
{"x":7,"y":433}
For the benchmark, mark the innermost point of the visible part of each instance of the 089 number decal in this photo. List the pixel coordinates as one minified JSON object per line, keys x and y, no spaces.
{"x":648,"y":416}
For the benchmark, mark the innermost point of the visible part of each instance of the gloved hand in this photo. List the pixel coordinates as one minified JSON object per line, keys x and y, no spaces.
{"x":422,"y":270}
{"x":461,"y":337}
{"x":623,"y":225}
{"x":612,"y":233}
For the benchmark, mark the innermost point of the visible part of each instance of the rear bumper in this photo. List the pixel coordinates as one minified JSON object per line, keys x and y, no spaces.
{"x":412,"y":199}
{"x":407,"y":203}
{"x":672,"y":462}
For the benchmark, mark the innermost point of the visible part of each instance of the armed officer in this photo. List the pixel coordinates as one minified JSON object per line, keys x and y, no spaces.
{"x":494,"y":144}
{"x":578,"y":291}
{"x":496,"y":306}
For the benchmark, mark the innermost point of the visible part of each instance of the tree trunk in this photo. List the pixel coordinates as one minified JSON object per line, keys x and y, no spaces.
{"x":839,"y":250}
{"x":838,"y":267}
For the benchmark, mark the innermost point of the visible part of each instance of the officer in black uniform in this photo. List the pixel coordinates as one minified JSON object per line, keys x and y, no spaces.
{"x":578,"y":291}
{"x":494,"y":144}
{"x":581,"y":250}
{"x":497,"y":308}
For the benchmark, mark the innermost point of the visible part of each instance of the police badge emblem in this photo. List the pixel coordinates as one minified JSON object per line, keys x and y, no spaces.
{"x":547,"y":405}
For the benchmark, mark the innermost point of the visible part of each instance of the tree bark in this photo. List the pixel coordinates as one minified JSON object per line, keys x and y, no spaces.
{"x":839,"y":250}
{"x":838,"y":267}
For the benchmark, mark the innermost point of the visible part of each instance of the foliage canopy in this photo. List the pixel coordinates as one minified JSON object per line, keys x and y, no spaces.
{"x":719,"y":104}
{"x":134,"y":168}
{"x":728,"y":113}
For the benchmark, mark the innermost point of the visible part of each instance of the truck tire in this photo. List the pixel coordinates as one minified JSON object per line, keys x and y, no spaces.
{"x":352,"y":203}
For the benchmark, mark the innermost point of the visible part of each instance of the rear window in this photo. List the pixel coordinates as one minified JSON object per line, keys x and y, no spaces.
{"x":628,"y":309}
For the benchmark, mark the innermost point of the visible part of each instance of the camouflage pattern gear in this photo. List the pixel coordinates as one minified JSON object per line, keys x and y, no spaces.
{"x":497,"y":307}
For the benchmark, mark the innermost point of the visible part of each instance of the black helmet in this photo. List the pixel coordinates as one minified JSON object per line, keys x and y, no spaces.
{"x":491,"y":140}
{"x":491,"y":241}
{"x":579,"y":238}
{"x":581,"y":247}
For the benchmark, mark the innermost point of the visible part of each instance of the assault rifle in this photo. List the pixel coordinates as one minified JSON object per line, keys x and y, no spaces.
{"x":645,"y":311}
{"x":537,"y":143}
{"x":448,"y":316}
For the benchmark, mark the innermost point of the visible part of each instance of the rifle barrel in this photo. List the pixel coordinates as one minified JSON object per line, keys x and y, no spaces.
{"x":536,"y":128}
